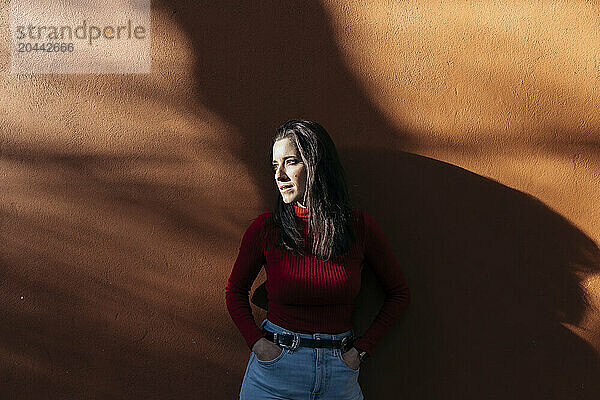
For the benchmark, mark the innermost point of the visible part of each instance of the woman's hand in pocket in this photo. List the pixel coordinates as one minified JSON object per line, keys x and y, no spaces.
{"x":351,"y":358}
{"x":266,"y":350}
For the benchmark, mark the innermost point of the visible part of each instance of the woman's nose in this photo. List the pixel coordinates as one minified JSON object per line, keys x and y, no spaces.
{"x":280,"y":173}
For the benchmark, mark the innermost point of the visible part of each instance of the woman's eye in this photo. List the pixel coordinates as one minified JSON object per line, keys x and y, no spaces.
{"x":287,"y":162}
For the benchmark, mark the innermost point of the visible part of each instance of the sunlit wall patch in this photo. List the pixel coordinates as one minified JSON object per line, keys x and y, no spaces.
{"x":80,"y":36}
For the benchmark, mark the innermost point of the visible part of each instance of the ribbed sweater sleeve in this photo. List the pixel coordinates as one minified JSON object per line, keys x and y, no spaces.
{"x":250,"y":259}
{"x":380,"y":257}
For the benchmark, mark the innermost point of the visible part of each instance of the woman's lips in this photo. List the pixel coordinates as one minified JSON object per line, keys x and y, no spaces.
{"x":285,"y":189}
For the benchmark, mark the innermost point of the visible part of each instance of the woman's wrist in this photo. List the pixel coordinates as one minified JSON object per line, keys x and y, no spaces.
{"x":362,"y":355}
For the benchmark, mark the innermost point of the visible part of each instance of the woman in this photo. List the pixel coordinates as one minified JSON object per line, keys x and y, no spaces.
{"x":313,"y":246}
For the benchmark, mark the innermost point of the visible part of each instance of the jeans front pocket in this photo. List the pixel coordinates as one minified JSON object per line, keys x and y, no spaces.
{"x":341,"y":359}
{"x":270,"y":362}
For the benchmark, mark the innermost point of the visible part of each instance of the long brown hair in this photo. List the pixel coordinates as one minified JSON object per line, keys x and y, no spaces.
{"x":326,"y":195}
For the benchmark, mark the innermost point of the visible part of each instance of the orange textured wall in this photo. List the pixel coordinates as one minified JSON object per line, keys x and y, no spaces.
{"x":468,"y":129}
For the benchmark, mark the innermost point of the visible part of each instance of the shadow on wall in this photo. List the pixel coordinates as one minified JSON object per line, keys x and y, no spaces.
{"x":95,"y":303}
{"x":108,"y":312}
{"x":493,"y":273}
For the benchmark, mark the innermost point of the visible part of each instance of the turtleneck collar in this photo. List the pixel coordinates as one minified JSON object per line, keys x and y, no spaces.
{"x":299,"y":211}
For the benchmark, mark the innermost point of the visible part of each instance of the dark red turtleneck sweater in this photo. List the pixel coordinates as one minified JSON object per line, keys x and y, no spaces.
{"x":309,"y":295}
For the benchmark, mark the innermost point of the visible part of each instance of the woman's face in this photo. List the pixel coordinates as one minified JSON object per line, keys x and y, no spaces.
{"x":290,"y":171}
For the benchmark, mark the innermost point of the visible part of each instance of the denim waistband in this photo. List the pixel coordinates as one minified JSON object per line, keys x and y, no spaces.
{"x":271,"y":327}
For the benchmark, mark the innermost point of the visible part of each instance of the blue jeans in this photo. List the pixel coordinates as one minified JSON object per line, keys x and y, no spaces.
{"x":302,"y":374}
